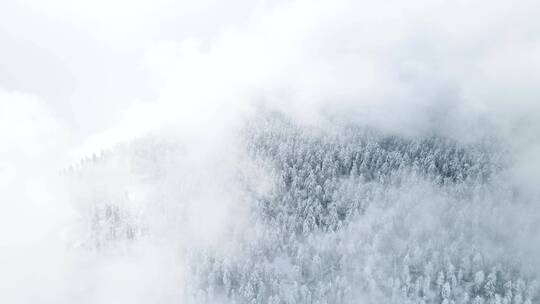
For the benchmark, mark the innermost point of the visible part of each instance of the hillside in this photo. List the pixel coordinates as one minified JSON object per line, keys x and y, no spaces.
{"x":305,"y":214}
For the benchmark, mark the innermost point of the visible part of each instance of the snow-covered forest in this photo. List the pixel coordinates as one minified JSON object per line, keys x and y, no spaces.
{"x":331,"y":215}
{"x":269,"y":152}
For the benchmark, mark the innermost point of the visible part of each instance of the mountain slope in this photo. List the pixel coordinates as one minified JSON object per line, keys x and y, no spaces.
{"x":305,"y":214}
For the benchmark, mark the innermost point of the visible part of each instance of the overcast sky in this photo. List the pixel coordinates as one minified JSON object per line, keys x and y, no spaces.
{"x":85,"y":59}
{"x":92,"y":64}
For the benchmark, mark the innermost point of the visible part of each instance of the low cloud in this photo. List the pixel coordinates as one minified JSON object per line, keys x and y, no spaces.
{"x":107,"y":78}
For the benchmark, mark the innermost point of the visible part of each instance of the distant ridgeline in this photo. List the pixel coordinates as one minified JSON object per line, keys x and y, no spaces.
{"x":356,"y":215}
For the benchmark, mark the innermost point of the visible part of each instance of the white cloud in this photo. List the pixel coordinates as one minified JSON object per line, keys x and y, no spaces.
{"x":84,"y":76}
